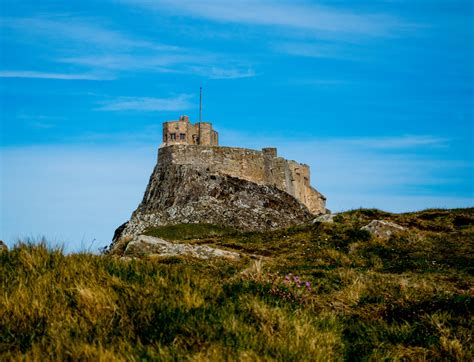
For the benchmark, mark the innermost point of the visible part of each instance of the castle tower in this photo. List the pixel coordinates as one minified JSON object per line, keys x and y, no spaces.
{"x":183,"y":132}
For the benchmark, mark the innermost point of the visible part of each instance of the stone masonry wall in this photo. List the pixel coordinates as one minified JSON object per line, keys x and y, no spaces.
{"x":262,"y":167}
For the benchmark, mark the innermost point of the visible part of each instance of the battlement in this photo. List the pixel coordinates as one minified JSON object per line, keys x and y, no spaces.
{"x":261,"y":167}
{"x":183,"y":132}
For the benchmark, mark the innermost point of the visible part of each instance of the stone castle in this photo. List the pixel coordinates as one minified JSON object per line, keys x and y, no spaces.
{"x":197,"y":181}
{"x":198,"y":144}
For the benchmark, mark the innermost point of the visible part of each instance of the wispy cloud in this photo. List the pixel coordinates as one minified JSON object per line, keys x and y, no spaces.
{"x":82,"y":43}
{"x":296,"y":15}
{"x":183,"y":61}
{"x":78,"y":30}
{"x":177,"y":103}
{"x":319,"y":49}
{"x":47,"y":75}
{"x":400,"y":142}
{"x":372,"y":143}
{"x":163,"y":62}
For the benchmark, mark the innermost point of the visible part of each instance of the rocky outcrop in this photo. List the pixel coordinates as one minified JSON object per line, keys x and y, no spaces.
{"x":143,"y":246}
{"x":178,"y":194}
{"x":383,"y":229}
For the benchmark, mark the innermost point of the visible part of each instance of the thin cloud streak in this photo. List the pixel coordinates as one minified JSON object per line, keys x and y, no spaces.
{"x":201,"y":65}
{"x":315,"y":50}
{"x":147,"y":104}
{"x":79,"y":30}
{"x":302,"y":16}
{"x":400,"y":142}
{"x":81,"y":43}
{"x":127,"y":61}
{"x":45,"y":75}
{"x":185,"y":62}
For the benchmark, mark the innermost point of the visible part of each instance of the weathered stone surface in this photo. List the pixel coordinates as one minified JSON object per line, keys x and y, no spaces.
{"x":382,"y":228}
{"x":143,"y":246}
{"x":179,"y":194}
{"x":3,"y":246}
{"x":324,"y":218}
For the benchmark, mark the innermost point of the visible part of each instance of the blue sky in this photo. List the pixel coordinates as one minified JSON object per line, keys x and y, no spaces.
{"x":376,"y":96}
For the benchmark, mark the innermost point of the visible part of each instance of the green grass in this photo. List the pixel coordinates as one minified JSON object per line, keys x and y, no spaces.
{"x":189,"y":231}
{"x":409,"y":297}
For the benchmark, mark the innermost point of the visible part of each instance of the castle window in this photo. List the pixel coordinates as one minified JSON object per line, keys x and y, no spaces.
{"x":182,"y":136}
{"x":173,"y":136}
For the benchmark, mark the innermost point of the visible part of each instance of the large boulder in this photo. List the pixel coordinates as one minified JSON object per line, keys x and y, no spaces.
{"x":143,"y":246}
{"x":382,"y":228}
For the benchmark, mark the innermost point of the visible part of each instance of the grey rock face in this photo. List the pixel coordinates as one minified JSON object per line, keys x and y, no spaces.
{"x":383,"y":229}
{"x":142,"y":246}
{"x":178,"y":194}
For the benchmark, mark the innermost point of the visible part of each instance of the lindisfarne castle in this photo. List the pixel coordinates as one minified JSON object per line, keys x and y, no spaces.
{"x":201,"y":148}
{"x":197,"y":181}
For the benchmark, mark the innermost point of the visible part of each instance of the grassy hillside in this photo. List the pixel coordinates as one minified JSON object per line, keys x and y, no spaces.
{"x":316,"y":292}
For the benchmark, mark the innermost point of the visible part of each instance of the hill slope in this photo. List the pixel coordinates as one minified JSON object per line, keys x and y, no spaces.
{"x":323,"y":291}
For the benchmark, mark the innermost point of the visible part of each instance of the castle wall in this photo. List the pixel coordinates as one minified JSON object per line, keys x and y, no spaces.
{"x":262,"y":167}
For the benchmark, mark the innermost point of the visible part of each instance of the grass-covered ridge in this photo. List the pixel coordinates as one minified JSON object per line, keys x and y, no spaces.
{"x":315,"y":292}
